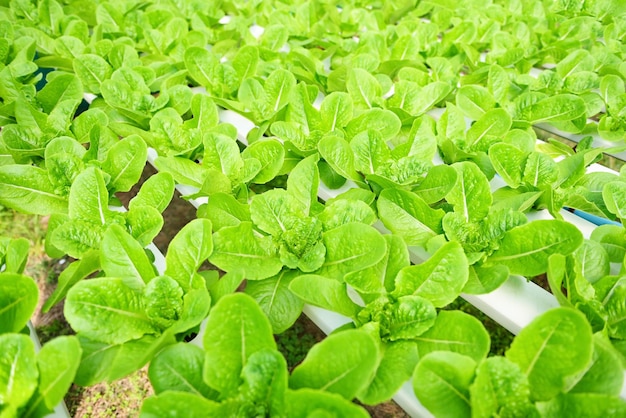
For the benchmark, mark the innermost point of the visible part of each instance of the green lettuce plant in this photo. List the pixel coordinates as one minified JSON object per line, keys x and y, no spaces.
{"x":554,"y":367}
{"x":240,"y":372}
{"x":154,"y":307}
{"x":285,"y":233}
{"x":32,"y":380}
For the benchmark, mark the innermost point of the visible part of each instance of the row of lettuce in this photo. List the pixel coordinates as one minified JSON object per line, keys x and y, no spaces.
{"x":557,"y":365}
{"x":366,"y":95}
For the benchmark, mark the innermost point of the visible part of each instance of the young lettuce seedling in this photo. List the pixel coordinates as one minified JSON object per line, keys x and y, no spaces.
{"x":285,"y":233}
{"x":241,"y":373}
{"x":125,"y":317}
{"x":400,"y":311}
{"x":495,"y":239}
{"x":535,"y":180}
{"x":552,"y":368}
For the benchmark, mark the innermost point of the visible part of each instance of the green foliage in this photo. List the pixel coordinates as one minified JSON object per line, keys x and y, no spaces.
{"x":412,"y":107}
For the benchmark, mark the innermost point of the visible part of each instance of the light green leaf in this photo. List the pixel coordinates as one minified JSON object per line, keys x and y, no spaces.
{"x":398,"y":361}
{"x":474,"y":100}
{"x":338,"y":154}
{"x":457,"y":332}
{"x":508,"y":162}
{"x":221,"y":153}
{"x":336,"y":111}
{"x":423,"y":139}
{"x":439,"y":279}
{"x":236,"y":329}
{"x":18,"y":299}
{"x":582,"y":405}
{"x":557,"y":108}
{"x":77,"y":237}
{"x":471,"y":195}
{"x":554,"y":346}
{"x":278,"y":87}
{"x":437,"y":184}
{"x":281,"y":306}
{"x":384,"y":121}
{"x":380,"y":277}
{"x":157,"y":192}
{"x":611,"y":291}
{"x":525,"y":249}
{"x":144,"y":223}
{"x":270,"y":211}
{"x":89,"y":198}
{"x":343,"y":363}
{"x":196,"y":304}
{"x":191,"y":247}
{"x":429,"y":96}
{"x":92,"y":70}
{"x":107,"y":310}
{"x":611,"y":86}
{"x":224,"y":210}
{"x":350,"y":247}
{"x":370,"y":151}
{"x":108,"y":362}
{"x":163,"y":301}
{"x":614,"y":196}
{"x":494,"y":123}
{"x":245,"y":61}
{"x":15,"y":255}
{"x":121,"y":256}
{"x":483,"y":279}
{"x":271,"y":154}
{"x":58,"y":362}
{"x":205,"y":115}
{"x":613,"y":240}
{"x":59,"y":89}
{"x":604,"y":375}
{"x":326,"y":293}
{"x":498,"y":83}
{"x":274,"y":37}
{"x":408,"y":216}
{"x":303,"y":183}
{"x":363,"y":88}
{"x":75,"y":272}
{"x":343,"y":211}
{"x":201,"y":65}
{"x":173,"y":404}
{"x":28,"y":189}
{"x":222,"y":286}
{"x":594,"y":260}
{"x":500,"y":389}
{"x":407,"y":318}
{"x":540,"y":170}
{"x":238,"y":249}
{"x":179,"y":368}
{"x":18,"y":369}
{"x":451,"y":124}
{"x":125,"y":162}
{"x":441,"y":383}
{"x":578,"y":60}
{"x":307,"y":403}
{"x":265,"y":381}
